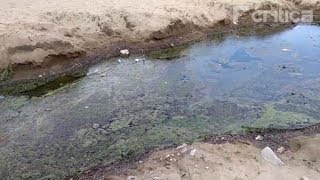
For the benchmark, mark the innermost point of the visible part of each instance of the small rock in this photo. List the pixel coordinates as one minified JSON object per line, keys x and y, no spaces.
{"x":40,"y":76}
{"x":207,"y":167}
{"x":192,"y":152}
{"x":86,"y":107}
{"x":48,"y":109}
{"x":259,"y":138}
{"x":156,"y":178}
{"x":95,"y":126}
{"x":165,"y":82}
{"x":137,"y":60}
{"x":140,"y":162}
{"x":119,"y":61}
{"x":268,"y":155}
{"x":280,"y":150}
{"x":124,"y":53}
{"x":131,"y":178}
{"x":172,"y":45}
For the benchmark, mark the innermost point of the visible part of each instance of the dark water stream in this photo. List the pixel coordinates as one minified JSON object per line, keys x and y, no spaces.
{"x":122,"y":108}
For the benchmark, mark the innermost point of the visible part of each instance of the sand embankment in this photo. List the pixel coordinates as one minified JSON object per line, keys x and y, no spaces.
{"x":36,"y":32}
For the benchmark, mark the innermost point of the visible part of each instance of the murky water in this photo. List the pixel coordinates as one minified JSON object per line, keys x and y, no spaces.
{"x":123,"y":108}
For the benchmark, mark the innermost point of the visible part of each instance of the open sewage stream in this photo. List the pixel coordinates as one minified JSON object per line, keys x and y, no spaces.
{"x":125,"y":106}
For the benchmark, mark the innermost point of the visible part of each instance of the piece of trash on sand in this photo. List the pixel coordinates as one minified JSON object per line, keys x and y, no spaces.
{"x":192,"y":152}
{"x":268,"y":155}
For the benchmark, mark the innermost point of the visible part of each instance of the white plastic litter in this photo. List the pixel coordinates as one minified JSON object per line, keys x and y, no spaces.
{"x":268,"y":155}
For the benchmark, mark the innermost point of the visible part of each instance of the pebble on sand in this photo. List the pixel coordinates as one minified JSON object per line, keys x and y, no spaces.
{"x":280,"y":150}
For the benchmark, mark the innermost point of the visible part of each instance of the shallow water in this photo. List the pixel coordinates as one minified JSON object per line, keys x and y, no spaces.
{"x":121,"y":109}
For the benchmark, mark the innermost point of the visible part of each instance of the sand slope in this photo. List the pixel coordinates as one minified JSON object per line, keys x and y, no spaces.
{"x":231,"y":161}
{"x":35,"y":31}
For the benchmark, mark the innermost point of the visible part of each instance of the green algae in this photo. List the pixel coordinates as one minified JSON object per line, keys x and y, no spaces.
{"x":40,"y":90}
{"x":274,"y":118}
{"x":5,"y":74}
{"x":119,"y":124}
{"x":168,"y":54}
{"x":40,"y":86}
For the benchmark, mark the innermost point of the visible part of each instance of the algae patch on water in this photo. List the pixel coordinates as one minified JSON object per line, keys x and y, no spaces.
{"x":168,"y":54}
{"x":51,"y":86}
{"x":274,"y":118}
{"x":5,"y":74}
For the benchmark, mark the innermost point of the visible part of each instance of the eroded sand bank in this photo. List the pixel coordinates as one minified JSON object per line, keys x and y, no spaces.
{"x":37,"y":32}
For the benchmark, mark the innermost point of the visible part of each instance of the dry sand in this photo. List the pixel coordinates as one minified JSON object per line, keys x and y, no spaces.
{"x":231,"y":162}
{"x":40,"y":30}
